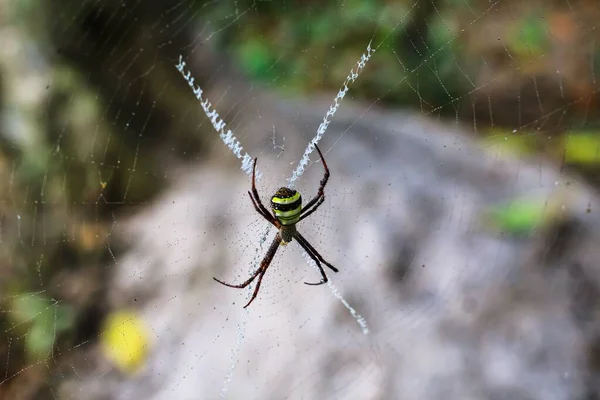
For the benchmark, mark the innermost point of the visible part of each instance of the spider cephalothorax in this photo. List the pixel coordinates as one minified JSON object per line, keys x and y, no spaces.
{"x":286,"y":205}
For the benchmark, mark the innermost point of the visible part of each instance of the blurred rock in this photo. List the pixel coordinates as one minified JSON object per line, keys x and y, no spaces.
{"x":455,"y":311}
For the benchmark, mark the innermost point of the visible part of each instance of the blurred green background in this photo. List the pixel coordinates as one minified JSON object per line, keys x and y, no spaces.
{"x":89,"y":123}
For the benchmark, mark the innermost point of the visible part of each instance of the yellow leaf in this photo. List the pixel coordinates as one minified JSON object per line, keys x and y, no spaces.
{"x":124,"y":341}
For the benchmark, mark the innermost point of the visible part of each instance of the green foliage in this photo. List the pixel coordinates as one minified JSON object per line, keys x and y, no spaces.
{"x":520,"y":216}
{"x":33,"y":165}
{"x":522,"y":143}
{"x":42,"y":321}
{"x":299,"y":46}
{"x":525,"y":216}
{"x":255,"y":57}
{"x":530,"y":37}
{"x":582,"y":148}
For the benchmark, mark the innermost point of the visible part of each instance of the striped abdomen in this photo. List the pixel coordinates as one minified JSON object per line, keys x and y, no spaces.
{"x":286,"y":205}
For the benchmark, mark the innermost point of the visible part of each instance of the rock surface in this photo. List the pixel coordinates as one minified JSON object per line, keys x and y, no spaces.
{"x":456,"y":310}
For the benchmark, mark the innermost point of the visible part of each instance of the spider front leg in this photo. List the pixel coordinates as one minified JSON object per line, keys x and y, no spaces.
{"x":260,"y":272}
{"x":268,"y":217}
{"x":320,"y":197}
{"x":258,"y":204}
{"x":321,"y":200}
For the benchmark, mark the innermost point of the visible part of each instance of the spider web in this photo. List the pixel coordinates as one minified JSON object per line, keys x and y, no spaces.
{"x":461,"y":208}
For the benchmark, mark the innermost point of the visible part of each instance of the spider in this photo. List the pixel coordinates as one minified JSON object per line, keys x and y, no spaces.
{"x":286,"y":205}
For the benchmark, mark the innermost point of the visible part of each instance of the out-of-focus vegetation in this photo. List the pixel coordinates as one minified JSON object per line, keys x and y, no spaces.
{"x":521,"y":217}
{"x":88,"y":121}
{"x":41,"y":320}
{"x":125,"y":340}
{"x":523,"y":71}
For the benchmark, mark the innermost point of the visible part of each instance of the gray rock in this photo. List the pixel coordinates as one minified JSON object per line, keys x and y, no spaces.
{"x":456,"y":310}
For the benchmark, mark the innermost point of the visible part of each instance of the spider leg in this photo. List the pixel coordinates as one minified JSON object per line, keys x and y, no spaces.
{"x":241,"y":285}
{"x":323,"y":275}
{"x":321,"y":200}
{"x":260,"y":278}
{"x":264,"y":265}
{"x":260,"y":272}
{"x":321,"y":191}
{"x":301,"y":239}
{"x":259,"y":203}
{"x":315,"y":256}
{"x":268,"y":217}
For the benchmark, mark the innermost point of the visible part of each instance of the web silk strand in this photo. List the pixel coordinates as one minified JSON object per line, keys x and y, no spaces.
{"x":354,"y":72}
{"x":217,"y":122}
{"x":336,"y":293}
{"x":247,"y":163}
{"x":360,"y":65}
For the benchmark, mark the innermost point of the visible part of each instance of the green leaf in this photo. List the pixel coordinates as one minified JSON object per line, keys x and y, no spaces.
{"x":505,"y":140}
{"x":28,"y":307}
{"x":40,"y":339}
{"x":530,"y":37}
{"x":519,"y":216}
{"x":255,"y":57}
{"x":65,"y":317}
{"x":359,"y":10}
{"x":582,"y":148}
{"x":38,"y":313}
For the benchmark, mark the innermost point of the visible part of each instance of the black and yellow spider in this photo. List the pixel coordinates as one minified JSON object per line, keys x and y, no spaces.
{"x":286,"y":205}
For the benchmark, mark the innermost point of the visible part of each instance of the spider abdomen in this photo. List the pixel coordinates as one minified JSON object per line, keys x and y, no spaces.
{"x":286,"y":204}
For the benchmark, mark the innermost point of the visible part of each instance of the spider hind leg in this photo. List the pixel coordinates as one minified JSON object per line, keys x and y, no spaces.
{"x":316,"y":257}
{"x":260,"y":272}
